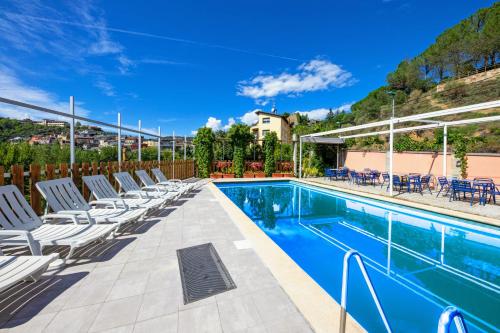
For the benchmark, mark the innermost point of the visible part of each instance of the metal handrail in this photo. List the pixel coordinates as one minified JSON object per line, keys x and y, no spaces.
{"x":449,"y":315}
{"x":368,"y":281}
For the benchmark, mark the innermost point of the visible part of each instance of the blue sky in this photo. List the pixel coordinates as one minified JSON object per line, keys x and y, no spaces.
{"x":183,"y":64}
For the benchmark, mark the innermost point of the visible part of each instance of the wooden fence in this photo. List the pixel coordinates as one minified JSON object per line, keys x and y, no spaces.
{"x":25,"y":180}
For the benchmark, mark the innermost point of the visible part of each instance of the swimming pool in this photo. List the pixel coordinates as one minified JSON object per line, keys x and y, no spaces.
{"x":419,"y":262}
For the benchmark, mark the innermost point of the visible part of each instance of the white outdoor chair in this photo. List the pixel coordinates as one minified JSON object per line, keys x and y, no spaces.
{"x":162,"y":179}
{"x":150,"y":183}
{"x":65,"y":201}
{"x":19,"y":225}
{"x":23,"y":268}
{"x":129,"y":186}
{"x":101,"y":189}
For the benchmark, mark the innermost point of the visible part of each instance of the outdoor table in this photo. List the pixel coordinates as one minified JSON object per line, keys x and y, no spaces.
{"x":483,"y":187}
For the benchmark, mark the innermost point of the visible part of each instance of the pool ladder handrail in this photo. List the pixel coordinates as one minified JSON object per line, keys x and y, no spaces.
{"x":345,"y":277}
{"x":449,"y":315}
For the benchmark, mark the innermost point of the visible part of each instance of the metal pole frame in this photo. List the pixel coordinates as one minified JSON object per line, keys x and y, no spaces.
{"x":445,"y":144}
{"x":185,"y":146}
{"x":72,"y":130}
{"x":159,"y":144}
{"x":300,"y":157}
{"x":173,"y":155}
{"x":139,"y":143}
{"x":119,"y":141}
{"x":391,"y":151}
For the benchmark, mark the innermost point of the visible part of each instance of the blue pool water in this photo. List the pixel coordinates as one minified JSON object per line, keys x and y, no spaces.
{"x":419,"y":262}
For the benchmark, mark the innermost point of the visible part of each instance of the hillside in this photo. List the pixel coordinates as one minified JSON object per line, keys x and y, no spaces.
{"x":459,"y":68}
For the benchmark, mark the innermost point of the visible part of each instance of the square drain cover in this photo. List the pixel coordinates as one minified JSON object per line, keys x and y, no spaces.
{"x":202,"y":273}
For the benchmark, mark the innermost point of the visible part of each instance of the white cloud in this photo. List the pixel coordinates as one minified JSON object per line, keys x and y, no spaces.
{"x":105,"y":87}
{"x":216,"y":124}
{"x":321,"y":113}
{"x":250,"y":117}
{"x":194,"y":132}
{"x":213,"y":123}
{"x":230,"y":122}
{"x":15,"y":89}
{"x":125,"y":64}
{"x":317,"y":74}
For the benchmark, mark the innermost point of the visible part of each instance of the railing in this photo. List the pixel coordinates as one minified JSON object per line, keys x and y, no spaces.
{"x":449,"y":315}
{"x":26,"y":180}
{"x":368,"y":281}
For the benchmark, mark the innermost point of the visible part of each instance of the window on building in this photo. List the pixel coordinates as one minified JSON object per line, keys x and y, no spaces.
{"x":264,"y":132}
{"x":266,"y":120}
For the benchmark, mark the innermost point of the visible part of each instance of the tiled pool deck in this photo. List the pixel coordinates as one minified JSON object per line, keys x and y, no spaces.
{"x":490,"y":211}
{"x":132,"y":283}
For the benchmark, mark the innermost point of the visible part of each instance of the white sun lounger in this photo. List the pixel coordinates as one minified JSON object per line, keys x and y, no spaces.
{"x":23,"y":268}
{"x":150,"y":183}
{"x":101,"y":188}
{"x":19,"y":225}
{"x":65,"y":201}
{"x":128,"y":185}
{"x":162,"y":179}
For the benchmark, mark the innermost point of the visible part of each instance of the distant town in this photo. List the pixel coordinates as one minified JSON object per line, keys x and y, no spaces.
{"x":86,"y":137}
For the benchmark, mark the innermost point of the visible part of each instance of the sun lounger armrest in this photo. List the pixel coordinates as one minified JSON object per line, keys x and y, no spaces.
{"x":112,"y":201}
{"x":70,"y":214}
{"x":33,"y":245}
{"x":151,"y":187}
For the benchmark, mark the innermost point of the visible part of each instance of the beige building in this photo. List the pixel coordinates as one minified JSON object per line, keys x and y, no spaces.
{"x":273,"y":122}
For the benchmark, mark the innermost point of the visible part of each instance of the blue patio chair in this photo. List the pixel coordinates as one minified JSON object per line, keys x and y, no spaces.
{"x":425,"y":183}
{"x":443,"y":185}
{"x":343,"y":173}
{"x":397,"y":183}
{"x":464,"y":187}
{"x":385,"y":178}
{"x":493,"y":191}
{"x":330,"y":173}
{"x":374,"y":177}
{"x":353,"y":177}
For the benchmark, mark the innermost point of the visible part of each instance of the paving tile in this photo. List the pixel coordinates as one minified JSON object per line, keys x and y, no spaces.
{"x":90,"y":293}
{"x":164,"y":324}
{"x":121,"y":329}
{"x":238,"y":313}
{"x":117,"y":313}
{"x":105,"y":273}
{"x":273,"y":303}
{"x":127,"y":287}
{"x":200,"y":319}
{"x":159,"y":303}
{"x":28,"y":325}
{"x":73,"y":320}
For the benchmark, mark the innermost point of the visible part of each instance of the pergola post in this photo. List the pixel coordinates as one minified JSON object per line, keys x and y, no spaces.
{"x":338,"y":147}
{"x":294,"y":139}
{"x":300,"y":157}
{"x":173,"y":154}
{"x":139,"y":143}
{"x":391,"y":146}
{"x":445,"y":148}
{"x":72,"y":130}
{"x":119,"y":141}
{"x":159,"y":144}
{"x":185,"y":143}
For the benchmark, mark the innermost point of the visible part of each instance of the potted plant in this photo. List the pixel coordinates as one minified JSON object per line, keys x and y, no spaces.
{"x":286,"y":168}
{"x":257,"y":169}
{"x":226,"y":168}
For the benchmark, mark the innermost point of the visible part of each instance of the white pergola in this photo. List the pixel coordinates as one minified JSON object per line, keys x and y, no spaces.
{"x":426,"y":118}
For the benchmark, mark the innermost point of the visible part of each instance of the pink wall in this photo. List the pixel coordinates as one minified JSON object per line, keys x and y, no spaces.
{"x":479,"y":165}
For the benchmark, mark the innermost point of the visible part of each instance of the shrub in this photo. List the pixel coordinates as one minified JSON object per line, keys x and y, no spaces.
{"x":240,"y":137}
{"x":270,"y":141}
{"x":204,"y":141}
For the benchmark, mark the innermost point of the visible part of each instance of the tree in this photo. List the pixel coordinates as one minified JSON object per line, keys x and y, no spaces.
{"x":240,"y":137}
{"x":270,"y":141}
{"x":204,"y":142}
